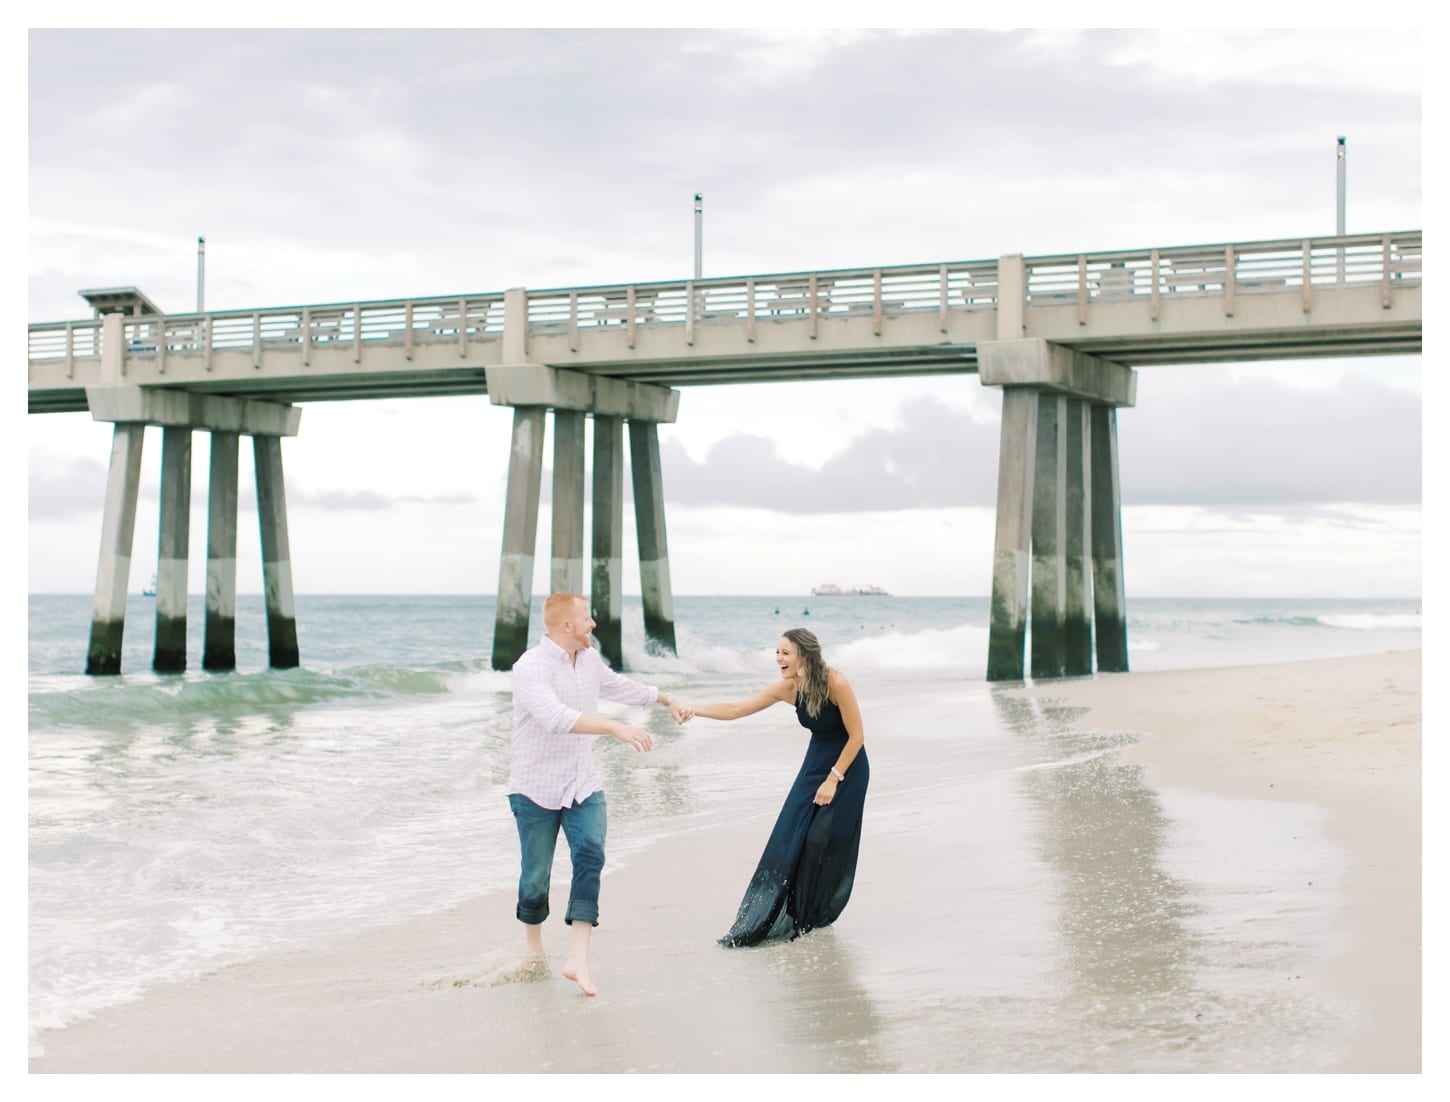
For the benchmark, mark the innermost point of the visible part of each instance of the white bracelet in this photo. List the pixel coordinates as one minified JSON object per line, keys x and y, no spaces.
{"x":837,"y":774}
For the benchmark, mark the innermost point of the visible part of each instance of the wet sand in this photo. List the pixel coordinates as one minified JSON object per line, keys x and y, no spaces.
{"x":1052,"y":898}
{"x":1342,"y":735}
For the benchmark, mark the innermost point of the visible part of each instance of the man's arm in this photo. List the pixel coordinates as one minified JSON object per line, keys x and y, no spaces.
{"x":623,"y":690}
{"x":535,"y":694}
{"x":636,"y":737}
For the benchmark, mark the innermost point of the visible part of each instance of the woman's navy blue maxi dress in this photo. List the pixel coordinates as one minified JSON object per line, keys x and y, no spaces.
{"x":805,"y":874}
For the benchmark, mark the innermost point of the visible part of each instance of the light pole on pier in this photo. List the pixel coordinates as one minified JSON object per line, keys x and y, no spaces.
{"x":699,"y":232}
{"x":200,"y":274}
{"x":1339,"y":223}
{"x":1339,"y":204}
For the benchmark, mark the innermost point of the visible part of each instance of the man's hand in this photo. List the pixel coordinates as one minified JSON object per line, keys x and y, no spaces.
{"x":682,"y":712}
{"x":636,"y":737}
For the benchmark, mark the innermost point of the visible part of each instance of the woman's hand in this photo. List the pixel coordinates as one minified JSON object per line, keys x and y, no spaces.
{"x":826,"y":793}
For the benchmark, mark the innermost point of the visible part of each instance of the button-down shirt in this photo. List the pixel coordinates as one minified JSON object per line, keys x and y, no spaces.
{"x":551,"y":766}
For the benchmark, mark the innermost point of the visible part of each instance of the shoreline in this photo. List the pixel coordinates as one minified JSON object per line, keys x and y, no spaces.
{"x":445,"y":992}
{"x":1230,"y":731}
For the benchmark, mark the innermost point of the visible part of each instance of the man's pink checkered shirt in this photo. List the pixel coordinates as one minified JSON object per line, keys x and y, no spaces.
{"x":550,"y":766}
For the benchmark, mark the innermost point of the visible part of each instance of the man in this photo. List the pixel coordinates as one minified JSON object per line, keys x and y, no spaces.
{"x":553,"y":779}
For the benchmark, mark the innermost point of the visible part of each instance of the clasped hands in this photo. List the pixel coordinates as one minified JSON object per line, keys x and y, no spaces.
{"x":638,"y":739}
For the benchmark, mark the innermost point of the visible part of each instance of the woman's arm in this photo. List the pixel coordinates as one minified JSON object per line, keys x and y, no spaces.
{"x":843,"y":697}
{"x":775,"y":693}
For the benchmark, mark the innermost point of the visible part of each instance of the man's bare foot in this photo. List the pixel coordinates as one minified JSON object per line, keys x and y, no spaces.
{"x":534,"y":941}
{"x":579,"y":975}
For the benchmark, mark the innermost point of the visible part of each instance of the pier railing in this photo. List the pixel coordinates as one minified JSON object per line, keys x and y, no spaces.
{"x":1082,"y":280}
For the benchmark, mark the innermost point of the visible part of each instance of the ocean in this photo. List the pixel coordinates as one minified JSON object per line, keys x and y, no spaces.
{"x":181,"y":822}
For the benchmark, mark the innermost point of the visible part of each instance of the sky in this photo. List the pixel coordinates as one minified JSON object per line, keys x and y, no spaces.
{"x":333,"y":166}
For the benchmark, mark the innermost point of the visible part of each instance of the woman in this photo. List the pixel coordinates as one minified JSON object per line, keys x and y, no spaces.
{"x":805,"y":875}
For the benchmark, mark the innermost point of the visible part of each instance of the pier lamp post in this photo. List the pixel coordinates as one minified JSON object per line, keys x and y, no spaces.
{"x":1339,"y":203}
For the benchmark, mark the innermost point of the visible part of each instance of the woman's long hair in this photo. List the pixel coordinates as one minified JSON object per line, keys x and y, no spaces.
{"x":813,"y":683}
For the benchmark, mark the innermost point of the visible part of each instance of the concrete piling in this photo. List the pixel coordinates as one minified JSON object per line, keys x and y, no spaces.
{"x":1077,"y":623}
{"x":566,"y":567}
{"x":1109,"y":606}
{"x":654,"y":555}
{"x":607,"y":540}
{"x":219,"y":641}
{"x":282,"y":653}
{"x":172,"y":551}
{"x":520,"y":535}
{"x":118,"y":527}
{"x":1016,"y":464}
{"x":1049,"y":519}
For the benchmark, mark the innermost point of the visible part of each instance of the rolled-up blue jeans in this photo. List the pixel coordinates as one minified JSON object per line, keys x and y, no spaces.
{"x":583,"y":825}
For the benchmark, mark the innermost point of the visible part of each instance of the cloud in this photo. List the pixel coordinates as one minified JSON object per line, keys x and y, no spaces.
{"x":368,"y":501}
{"x":76,"y":488}
{"x":308,"y":135}
{"x":1200,"y":438}
{"x":61,"y":489}
{"x":1204,"y":438}
{"x":939,"y":456}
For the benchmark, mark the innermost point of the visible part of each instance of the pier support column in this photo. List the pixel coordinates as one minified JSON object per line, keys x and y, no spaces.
{"x":566,"y":568}
{"x":1109,"y":607}
{"x":1007,"y":628}
{"x":654,"y":555}
{"x":1057,"y":419}
{"x":276,"y":555}
{"x":1049,"y":519}
{"x":179,"y":413}
{"x":219,"y":646}
{"x":532,"y":389}
{"x":118,"y":528}
{"x":606,"y":575}
{"x":1077,"y":624}
{"x":172,"y":551}
{"x":520,"y":536}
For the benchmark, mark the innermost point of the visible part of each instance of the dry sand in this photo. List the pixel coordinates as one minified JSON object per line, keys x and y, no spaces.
{"x":445,"y":993}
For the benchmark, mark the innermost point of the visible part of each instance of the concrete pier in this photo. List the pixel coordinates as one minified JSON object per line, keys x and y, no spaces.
{"x":172,"y":551}
{"x":219,"y":646}
{"x":282,"y":651}
{"x":520,"y":536}
{"x":118,"y":527}
{"x":566,"y":567}
{"x":1109,"y":608}
{"x":654,"y":555}
{"x":1058,"y":467}
{"x":1049,"y":521}
{"x":606,"y":573}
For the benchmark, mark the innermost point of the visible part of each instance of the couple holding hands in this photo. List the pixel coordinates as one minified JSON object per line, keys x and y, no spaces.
{"x":805,"y":875}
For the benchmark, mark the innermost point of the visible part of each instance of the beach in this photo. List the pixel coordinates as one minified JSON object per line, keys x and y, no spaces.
{"x":1206,"y":870}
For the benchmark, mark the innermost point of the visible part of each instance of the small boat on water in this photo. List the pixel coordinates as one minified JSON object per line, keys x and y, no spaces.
{"x":830,"y":590}
{"x":150,"y":590}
